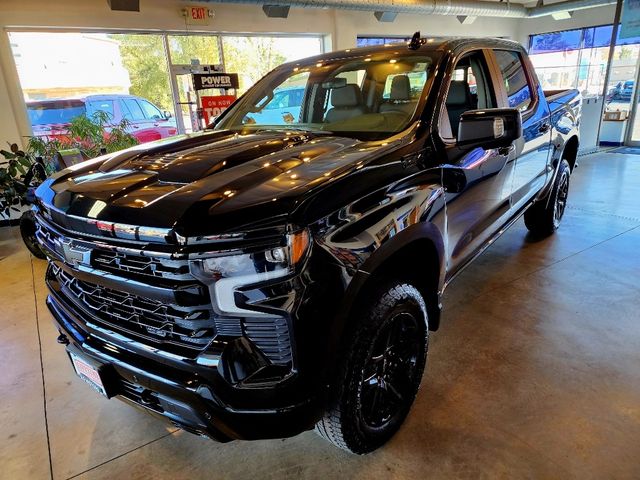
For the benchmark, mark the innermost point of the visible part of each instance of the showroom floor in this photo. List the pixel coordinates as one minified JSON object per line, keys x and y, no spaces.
{"x":533,"y":374}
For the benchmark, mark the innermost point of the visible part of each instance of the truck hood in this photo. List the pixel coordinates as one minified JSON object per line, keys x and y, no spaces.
{"x":206,"y":183}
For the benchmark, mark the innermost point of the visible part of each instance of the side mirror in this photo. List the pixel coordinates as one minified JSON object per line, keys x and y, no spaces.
{"x":490,"y":128}
{"x":167,"y":114}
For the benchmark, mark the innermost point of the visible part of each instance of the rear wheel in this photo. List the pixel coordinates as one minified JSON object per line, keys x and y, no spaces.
{"x":544,"y":217}
{"x":381,"y":371}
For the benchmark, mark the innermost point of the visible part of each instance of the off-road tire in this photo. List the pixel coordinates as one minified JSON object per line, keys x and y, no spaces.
{"x":28,"y":233}
{"x":543,"y":217}
{"x":347,"y":422}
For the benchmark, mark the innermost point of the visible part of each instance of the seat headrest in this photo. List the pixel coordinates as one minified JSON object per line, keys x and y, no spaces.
{"x":347,"y":96}
{"x":400,"y":88}
{"x":459,"y":93}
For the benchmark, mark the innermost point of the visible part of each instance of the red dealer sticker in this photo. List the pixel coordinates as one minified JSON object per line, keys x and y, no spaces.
{"x":214,"y":106}
{"x":88,"y":373}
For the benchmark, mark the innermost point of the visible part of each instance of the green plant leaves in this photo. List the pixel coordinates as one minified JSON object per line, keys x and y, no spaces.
{"x":87,"y":134}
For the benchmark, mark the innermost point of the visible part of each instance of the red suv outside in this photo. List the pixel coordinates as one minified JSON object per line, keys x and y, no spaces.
{"x":146,"y":121}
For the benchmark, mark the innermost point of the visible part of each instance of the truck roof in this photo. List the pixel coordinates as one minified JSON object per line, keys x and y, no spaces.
{"x":427,"y":44}
{"x":81,"y":99}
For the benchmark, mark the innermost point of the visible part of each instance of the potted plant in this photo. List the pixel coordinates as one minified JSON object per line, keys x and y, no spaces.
{"x":21,"y":172}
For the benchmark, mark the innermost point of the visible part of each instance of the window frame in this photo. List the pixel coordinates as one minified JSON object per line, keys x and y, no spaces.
{"x":494,"y":81}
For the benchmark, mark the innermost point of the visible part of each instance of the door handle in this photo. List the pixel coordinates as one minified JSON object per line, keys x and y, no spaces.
{"x":544,"y":128}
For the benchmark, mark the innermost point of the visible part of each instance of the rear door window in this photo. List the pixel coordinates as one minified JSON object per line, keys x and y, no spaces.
{"x":105,"y":106}
{"x":515,"y":79}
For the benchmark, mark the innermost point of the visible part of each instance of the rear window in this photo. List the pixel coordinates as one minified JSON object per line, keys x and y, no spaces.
{"x":50,"y":113}
{"x":416,"y":81}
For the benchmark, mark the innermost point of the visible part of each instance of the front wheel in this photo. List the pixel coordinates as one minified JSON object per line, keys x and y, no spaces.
{"x":28,"y":233}
{"x":381,"y":371}
{"x":544,"y":217}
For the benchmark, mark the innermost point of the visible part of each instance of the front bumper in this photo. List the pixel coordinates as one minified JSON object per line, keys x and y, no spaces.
{"x":190,"y":396}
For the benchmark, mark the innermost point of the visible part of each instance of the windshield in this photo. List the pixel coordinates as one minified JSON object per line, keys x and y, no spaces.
{"x":369,"y":97}
{"x":49,"y":113}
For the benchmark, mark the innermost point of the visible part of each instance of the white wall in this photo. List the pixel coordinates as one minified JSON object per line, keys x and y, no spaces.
{"x":339,"y":27}
{"x":582,"y":18}
{"x":350,"y":24}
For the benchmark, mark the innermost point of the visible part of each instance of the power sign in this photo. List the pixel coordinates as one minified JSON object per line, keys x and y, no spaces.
{"x":203,"y":81}
{"x":214,"y":106}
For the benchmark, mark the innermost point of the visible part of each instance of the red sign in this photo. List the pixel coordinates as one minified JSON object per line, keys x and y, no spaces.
{"x":197,"y":15}
{"x":214,"y":106}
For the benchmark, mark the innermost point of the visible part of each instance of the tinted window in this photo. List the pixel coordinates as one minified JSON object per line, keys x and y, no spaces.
{"x":515,"y":79}
{"x":131,"y":110}
{"x":150,"y":110}
{"x":100,"y":106}
{"x":54,"y":112}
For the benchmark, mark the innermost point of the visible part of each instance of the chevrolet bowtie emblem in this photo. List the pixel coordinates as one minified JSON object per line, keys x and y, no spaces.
{"x":75,"y":254}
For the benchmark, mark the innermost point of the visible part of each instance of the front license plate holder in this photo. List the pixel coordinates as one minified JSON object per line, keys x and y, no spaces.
{"x":91,"y":372}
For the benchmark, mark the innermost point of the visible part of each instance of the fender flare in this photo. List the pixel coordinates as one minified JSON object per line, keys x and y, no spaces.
{"x":417,"y":232}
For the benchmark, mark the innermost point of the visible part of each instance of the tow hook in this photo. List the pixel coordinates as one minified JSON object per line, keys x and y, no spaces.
{"x":62,"y":339}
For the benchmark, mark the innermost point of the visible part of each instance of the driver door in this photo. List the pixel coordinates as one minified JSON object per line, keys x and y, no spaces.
{"x":483,"y":206}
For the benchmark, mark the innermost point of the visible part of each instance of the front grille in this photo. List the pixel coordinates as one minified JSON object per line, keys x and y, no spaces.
{"x":116,"y":296}
{"x":154,"y":321}
{"x":148,"y":266}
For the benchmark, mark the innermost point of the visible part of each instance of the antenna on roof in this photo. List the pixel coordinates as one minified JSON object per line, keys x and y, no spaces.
{"x":415,"y":42}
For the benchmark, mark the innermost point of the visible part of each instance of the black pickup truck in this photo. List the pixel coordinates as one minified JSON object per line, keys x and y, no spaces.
{"x":277,"y":273}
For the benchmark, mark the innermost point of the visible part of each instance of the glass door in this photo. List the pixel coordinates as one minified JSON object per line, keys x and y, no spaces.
{"x":185,"y":98}
{"x":189,"y":54}
{"x":633,"y":128}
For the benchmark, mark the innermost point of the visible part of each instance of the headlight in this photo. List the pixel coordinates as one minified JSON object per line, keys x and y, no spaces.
{"x":224,"y":274}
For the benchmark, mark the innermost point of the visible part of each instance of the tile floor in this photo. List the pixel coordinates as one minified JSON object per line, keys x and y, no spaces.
{"x":534,"y":373}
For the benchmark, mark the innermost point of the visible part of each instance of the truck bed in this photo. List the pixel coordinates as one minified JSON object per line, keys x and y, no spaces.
{"x":559,"y":99}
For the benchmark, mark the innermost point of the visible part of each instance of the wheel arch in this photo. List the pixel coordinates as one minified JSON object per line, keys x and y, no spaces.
{"x":423,"y":241}
{"x":415,"y":254}
{"x":570,"y":151}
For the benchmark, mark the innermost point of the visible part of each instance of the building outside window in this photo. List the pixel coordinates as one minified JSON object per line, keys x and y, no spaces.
{"x":578,"y":59}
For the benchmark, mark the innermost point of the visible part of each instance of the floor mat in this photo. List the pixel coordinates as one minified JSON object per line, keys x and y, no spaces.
{"x":627,"y":150}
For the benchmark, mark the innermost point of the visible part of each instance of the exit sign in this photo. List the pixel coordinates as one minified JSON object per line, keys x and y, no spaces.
{"x":197,"y":15}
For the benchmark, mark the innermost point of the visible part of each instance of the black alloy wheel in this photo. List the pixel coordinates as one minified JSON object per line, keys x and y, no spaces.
{"x":389,"y":374}
{"x":383,"y":359}
{"x":544,"y":217}
{"x":561,"y":198}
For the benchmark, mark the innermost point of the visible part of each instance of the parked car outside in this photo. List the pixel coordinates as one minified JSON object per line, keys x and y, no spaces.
{"x":146,"y":121}
{"x":622,"y":92}
{"x":283,"y":107}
